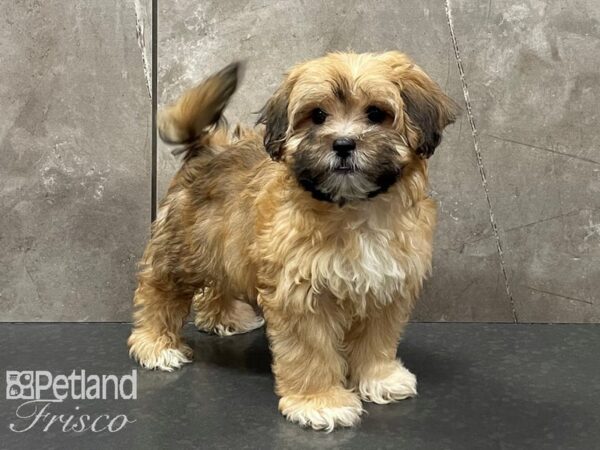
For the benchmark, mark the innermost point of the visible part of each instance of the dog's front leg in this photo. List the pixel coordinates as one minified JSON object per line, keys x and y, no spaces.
{"x":372,"y":342}
{"x":309,"y":367}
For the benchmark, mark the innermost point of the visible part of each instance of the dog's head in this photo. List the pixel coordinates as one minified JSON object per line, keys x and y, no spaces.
{"x":347,"y":125}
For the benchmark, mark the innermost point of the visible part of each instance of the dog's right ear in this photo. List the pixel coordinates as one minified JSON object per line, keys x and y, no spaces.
{"x":274,"y":115}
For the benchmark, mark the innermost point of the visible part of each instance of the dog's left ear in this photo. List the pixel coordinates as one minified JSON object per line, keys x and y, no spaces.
{"x":427,"y":107}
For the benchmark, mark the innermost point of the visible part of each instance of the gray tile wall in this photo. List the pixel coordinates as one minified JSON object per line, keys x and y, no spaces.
{"x":75,"y":141}
{"x":74,"y":160}
{"x":530,"y":71}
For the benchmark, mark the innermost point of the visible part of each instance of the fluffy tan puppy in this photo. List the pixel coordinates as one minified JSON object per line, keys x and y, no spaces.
{"x":321,"y":219}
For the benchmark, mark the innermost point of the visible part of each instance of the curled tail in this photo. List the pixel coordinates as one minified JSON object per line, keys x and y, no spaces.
{"x":190,"y":117}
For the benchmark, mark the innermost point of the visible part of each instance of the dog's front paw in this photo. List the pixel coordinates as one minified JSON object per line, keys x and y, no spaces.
{"x":394,"y":383}
{"x":326,"y":411}
{"x":158,"y":354}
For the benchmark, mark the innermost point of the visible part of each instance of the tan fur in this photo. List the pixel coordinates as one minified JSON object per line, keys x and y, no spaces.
{"x":336,"y":279}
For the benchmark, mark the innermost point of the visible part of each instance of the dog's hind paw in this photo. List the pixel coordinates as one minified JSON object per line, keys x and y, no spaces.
{"x":239,"y":318}
{"x":155,"y":355}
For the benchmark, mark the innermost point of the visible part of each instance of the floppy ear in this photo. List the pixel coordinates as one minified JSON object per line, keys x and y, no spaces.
{"x":274,"y":116}
{"x":427,"y":107}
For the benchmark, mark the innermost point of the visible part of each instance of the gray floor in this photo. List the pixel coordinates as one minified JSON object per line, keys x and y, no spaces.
{"x":481,"y":387}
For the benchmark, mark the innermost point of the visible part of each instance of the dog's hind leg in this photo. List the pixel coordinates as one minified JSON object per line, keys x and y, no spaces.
{"x":155,"y":341}
{"x":221,"y":313}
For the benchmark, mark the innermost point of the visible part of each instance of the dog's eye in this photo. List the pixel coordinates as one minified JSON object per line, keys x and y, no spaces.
{"x":318,"y":116}
{"x":375,"y":115}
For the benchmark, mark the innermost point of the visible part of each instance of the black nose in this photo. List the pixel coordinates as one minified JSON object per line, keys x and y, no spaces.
{"x":343,"y":146}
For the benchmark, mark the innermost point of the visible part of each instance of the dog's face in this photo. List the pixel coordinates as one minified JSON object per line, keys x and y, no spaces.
{"x":348,"y":125}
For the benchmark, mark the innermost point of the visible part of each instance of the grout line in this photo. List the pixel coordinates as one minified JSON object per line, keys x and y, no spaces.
{"x":154,"y":168}
{"x":546,"y":149}
{"x":480,"y":160}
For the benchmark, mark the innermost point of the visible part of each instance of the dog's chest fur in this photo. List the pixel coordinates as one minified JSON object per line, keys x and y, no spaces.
{"x":360,"y":262}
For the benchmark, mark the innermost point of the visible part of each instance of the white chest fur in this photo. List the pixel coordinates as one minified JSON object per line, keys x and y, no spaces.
{"x":361,"y":263}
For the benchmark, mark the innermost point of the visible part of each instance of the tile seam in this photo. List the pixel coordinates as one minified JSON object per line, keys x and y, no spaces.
{"x":480,"y":165}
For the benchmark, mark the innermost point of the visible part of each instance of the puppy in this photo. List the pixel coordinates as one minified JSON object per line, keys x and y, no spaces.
{"x":319,"y":216}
